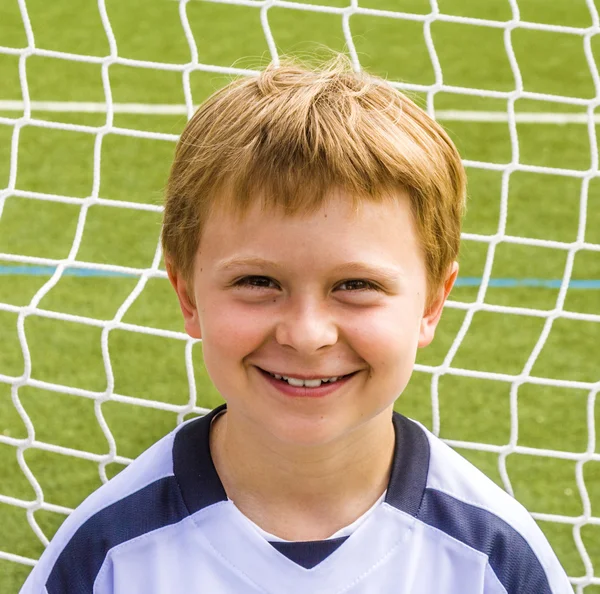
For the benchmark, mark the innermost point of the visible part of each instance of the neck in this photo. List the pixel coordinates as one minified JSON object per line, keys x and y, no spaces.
{"x":299,"y":492}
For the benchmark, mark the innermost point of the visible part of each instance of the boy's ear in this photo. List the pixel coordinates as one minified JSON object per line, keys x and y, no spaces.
{"x":432,"y":315}
{"x":189,"y":310}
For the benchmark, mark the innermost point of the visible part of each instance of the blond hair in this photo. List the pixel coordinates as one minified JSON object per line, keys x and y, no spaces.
{"x":293,"y":133}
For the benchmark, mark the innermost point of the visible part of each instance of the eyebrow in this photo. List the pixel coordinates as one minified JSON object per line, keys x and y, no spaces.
{"x":382,"y":272}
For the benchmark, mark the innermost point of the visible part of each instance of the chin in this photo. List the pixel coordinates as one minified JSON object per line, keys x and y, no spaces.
{"x":310,"y":430}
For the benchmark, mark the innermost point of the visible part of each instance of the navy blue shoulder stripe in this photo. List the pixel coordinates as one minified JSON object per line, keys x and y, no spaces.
{"x":156,"y":505}
{"x":510,"y":556}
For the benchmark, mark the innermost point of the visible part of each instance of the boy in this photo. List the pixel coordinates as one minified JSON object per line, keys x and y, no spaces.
{"x":311,"y":229}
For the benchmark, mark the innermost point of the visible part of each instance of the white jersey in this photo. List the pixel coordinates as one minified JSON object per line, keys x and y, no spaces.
{"x":164,"y":525}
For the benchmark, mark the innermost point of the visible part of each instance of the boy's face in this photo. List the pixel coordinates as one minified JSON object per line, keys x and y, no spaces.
{"x":299,"y":315}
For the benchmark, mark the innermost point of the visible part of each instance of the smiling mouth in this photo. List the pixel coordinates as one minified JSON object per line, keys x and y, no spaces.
{"x":300,"y":383}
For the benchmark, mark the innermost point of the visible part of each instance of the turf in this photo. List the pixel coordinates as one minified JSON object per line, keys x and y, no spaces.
{"x":152,"y":368}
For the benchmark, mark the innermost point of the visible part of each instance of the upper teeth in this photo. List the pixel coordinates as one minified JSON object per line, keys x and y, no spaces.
{"x":314,"y":383}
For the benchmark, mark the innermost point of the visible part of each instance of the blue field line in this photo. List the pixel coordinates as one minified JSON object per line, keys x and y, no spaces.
{"x":461,"y":281}
{"x":473,"y":281}
{"x":49,"y":271}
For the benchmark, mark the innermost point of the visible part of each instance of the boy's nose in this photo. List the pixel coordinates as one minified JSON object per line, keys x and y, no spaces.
{"x":306,"y":328}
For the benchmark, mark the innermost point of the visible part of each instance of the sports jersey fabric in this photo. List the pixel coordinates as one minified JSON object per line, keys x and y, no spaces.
{"x":164,"y":525}
{"x":345,"y":531}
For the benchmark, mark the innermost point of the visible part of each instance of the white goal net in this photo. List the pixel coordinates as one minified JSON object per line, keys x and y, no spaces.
{"x":95,"y":366}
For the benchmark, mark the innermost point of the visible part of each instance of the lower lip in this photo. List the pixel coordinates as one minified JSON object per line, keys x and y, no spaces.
{"x":305,"y":392}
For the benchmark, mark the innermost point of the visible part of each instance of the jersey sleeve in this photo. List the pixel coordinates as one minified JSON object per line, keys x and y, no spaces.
{"x":141,"y":498}
{"x":66,"y":566}
{"x":465,"y":504}
{"x":519,"y":576}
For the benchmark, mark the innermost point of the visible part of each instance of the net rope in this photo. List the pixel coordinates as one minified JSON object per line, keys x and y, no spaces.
{"x":144,"y":275}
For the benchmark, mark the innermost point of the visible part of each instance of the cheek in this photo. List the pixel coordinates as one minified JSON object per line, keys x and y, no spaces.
{"x":230,"y":332}
{"x":389,"y":343}
{"x":391,"y":333}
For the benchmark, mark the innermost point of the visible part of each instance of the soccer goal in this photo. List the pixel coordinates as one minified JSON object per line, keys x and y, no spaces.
{"x":94,"y":365}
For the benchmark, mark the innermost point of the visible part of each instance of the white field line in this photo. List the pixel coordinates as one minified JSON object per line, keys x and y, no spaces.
{"x":456,"y":115}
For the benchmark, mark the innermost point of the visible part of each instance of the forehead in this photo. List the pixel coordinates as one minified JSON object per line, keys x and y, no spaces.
{"x":335,"y":233}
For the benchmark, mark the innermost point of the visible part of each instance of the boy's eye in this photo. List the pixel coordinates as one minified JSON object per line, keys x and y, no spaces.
{"x":362,"y":284}
{"x":254,"y":282}
{"x":262,"y":282}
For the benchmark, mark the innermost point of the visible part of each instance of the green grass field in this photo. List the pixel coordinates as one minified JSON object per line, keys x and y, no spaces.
{"x":60,"y":162}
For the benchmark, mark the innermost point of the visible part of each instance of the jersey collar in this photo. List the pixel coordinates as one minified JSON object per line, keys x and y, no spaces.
{"x":201,"y":487}
{"x":193,"y":464}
